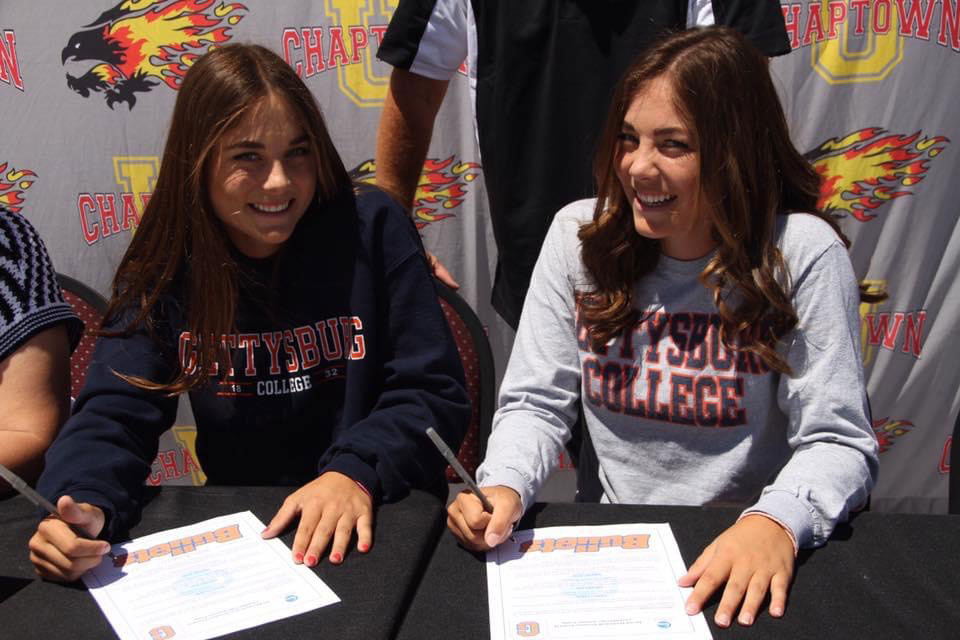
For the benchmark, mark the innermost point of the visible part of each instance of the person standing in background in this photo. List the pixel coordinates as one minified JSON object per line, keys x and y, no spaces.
{"x":541,"y":73}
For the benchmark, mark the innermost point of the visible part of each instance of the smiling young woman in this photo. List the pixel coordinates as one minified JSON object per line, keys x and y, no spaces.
{"x":262,"y":177}
{"x":704,"y":316}
{"x":658,"y":167}
{"x":287,"y":304}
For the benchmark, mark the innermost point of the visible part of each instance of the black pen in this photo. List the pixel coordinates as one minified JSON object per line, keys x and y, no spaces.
{"x":28,"y":492}
{"x":452,"y":459}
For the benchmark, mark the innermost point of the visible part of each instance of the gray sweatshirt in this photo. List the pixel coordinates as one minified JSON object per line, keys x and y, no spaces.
{"x":676,"y":417}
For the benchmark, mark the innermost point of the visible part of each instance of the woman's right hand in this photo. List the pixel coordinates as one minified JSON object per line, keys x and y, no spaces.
{"x":57,"y":553}
{"x":475,"y":528}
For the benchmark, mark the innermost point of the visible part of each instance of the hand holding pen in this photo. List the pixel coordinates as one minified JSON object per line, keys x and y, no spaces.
{"x":63,"y":548}
{"x":480,"y":519}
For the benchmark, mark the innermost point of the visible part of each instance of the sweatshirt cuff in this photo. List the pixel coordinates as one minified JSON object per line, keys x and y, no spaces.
{"x":787,"y":510}
{"x":354,"y":467}
{"x":508,"y":477}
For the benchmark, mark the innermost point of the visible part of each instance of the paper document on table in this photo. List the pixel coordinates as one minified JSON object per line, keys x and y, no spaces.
{"x":571,"y":583}
{"x":202,"y":581}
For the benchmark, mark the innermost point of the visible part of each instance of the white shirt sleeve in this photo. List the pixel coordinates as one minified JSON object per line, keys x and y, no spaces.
{"x":443,"y":47}
{"x":700,"y":13}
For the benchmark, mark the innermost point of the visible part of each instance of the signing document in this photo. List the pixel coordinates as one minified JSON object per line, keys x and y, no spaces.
{"x":610,"y":581}
{"x":202,"y":581}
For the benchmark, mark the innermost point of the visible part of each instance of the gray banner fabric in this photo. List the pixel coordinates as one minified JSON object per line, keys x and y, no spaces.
{"x":868,"y":94}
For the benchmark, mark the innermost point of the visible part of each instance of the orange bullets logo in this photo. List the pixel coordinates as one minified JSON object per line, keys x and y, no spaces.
{"x":887,"y":430}
{"x":442,"y":187}
{"x":12,"y":185}
{"x":868,"y":168}
{"x":139,"y":44}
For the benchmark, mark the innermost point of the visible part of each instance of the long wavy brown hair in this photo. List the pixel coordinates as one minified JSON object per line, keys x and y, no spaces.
{"x":750,"y":173}
{"x":179,"y":239}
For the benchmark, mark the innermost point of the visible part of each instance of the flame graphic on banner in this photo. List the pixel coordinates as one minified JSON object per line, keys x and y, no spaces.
{"x":442,"y":186}
{"x":887,"y":430}
{"x":867,"y":168}
{"x":139,"y":44}
{"x":12,"y":185}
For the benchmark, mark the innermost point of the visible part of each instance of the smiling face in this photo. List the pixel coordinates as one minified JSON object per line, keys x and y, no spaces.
{"x":658,"y":166}
{"x":261,"y":177}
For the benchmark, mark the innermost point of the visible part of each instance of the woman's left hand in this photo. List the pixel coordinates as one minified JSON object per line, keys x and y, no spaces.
{"x":331,"y":506}
{"x":752,"y":557}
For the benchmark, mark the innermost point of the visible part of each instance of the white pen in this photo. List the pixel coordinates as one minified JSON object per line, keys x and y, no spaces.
{"x":452,"y":459}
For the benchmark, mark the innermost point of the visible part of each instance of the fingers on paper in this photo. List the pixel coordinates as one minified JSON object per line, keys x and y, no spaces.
{"x":283,"y":517}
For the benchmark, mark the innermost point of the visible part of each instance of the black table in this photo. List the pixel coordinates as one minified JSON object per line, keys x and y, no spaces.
{"x":375,"y":588}
{"x":880,"y":576}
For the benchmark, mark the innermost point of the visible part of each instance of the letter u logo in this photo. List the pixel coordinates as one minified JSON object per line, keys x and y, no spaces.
{"x":358,"y":81}
{"x":868,"y":58}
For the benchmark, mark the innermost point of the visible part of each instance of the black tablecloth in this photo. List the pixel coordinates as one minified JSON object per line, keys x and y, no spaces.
{"x":375,"y":588}
{"x":881,"y":576}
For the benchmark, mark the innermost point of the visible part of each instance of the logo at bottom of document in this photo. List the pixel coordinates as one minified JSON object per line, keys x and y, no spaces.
{"x":528,"y":629}
{"x":291,"y":598}
{"x":162,"y":633}
{"x":664,"y":624}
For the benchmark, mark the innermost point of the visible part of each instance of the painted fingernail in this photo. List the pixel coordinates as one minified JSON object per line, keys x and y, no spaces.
{"x":336,"y":558}
{"x":298,"y":557}
{"x":722,"y":620}
{"x":311,"y":560}
{"x":363,"y":546}
{"x":746,"y":619}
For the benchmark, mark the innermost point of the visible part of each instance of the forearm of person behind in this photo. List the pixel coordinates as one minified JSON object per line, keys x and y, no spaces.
{"x":35,"y":396}
{"x":406,"y":126}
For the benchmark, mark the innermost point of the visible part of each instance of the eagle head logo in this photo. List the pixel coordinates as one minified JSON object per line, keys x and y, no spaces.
{"x":139,"y":44}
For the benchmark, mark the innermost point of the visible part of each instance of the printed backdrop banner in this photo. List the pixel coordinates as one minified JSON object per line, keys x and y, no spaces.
{"x":86,"y":92}
{"x":868,"y":90}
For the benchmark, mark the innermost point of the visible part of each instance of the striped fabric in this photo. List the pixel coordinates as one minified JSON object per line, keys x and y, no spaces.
{"x":30,"y":299}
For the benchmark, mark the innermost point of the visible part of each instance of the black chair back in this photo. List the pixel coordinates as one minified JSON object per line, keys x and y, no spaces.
{"x":477,"y":358}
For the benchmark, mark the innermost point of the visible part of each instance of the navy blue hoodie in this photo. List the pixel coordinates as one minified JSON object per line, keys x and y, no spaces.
{"x":341,"y":360}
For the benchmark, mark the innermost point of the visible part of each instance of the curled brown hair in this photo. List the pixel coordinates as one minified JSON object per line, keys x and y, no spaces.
{"x":750,"y":173}
{"x":179,"y":237}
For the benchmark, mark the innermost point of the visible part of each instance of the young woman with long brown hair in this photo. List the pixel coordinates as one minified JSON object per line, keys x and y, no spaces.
{"x":704,"y":314}
{"x":297,"y":313}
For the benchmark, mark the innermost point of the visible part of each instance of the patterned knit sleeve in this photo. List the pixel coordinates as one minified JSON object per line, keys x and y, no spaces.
{"x":30,"y":298}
